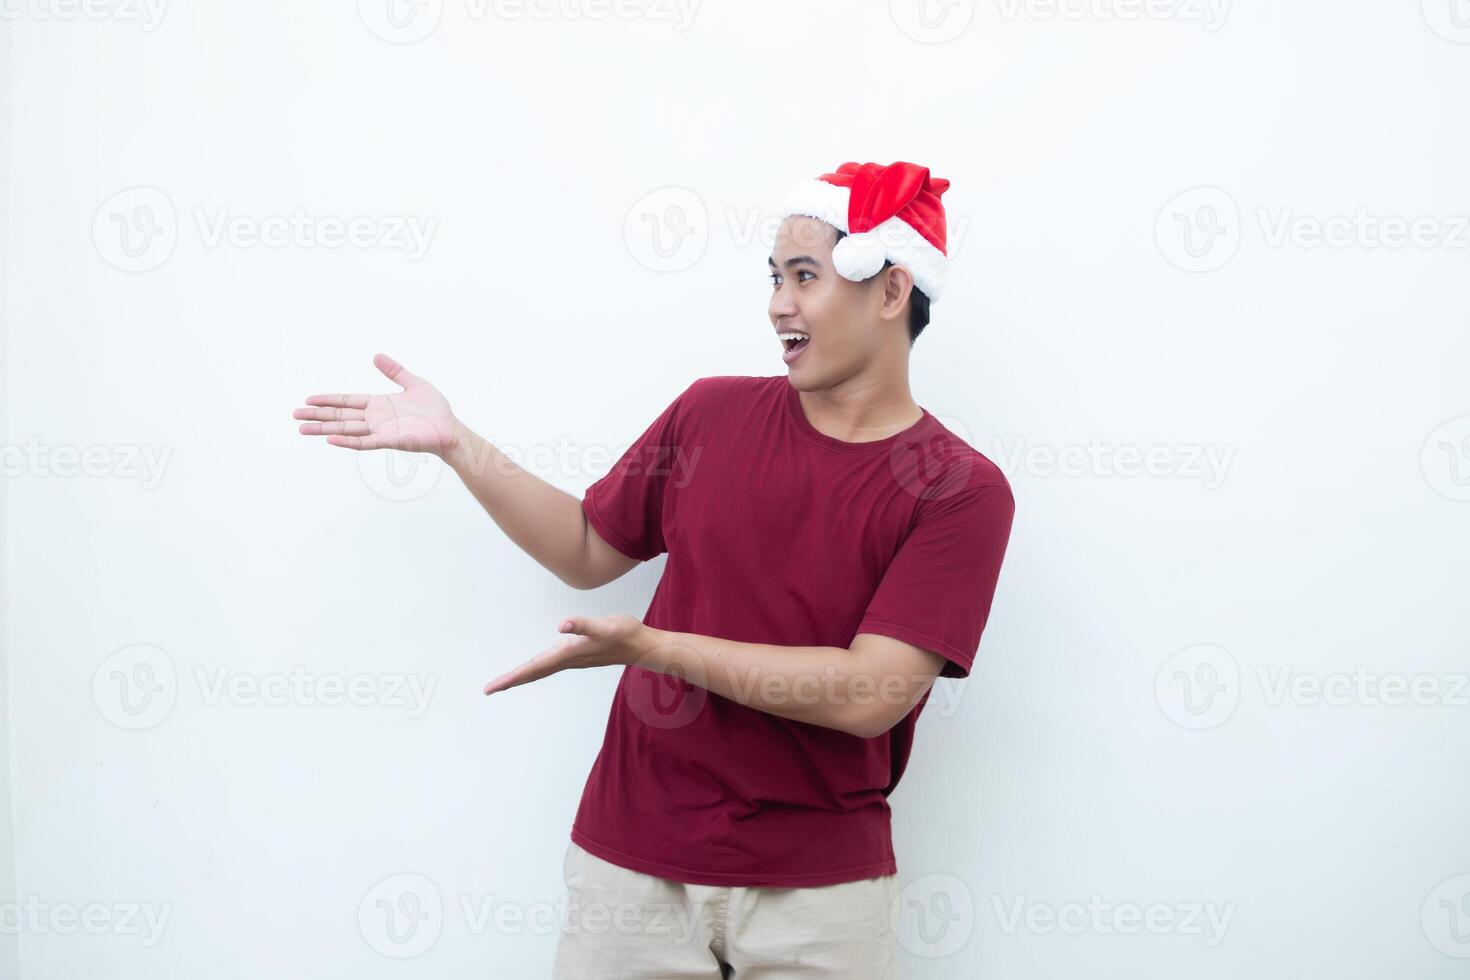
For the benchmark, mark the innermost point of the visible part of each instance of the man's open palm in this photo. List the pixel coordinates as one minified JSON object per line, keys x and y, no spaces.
{"x":417,"y":419}
{"x":594,"y":641}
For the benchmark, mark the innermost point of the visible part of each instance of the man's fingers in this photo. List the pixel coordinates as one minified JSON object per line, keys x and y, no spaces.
{"x":354,"y":442}
{"x":396,"y":372}
{"x":328,"y":414}
{"x":334,"y":428}
{"x":524,"y":674}
{"x":339,"y":401}
{"x":583,"y":628}
{"x":549,"y":661}
{"x":504,"y":682}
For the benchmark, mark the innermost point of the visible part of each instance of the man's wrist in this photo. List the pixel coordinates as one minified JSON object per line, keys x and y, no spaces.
{"x":653,"y":649}
{"x":459,"y":448}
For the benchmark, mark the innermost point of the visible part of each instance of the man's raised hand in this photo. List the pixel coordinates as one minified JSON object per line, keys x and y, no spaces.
{"x":416,"y":419}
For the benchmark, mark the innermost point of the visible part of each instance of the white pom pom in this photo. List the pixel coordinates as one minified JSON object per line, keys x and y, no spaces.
{"x":858,"y":257}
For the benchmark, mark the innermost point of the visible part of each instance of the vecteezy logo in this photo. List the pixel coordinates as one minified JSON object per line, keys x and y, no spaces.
{"x":136,"y":687}
{"x":1445,"y":917}
{"x":932,"y":21}
{"x":667,"y":230}
{"x":933,"y":916}
{"x":931,"y":466}
{"x":136,"y":229}
{"x":401,"y":21}
{"x":1450,"y":19}
{"x":1199,"y":230}
{"x":1198,"y":687}
{"x":401,"y":916}
{"x":666,"y":700}
{"x":1445,"y":459}
{"x":398,"y":474}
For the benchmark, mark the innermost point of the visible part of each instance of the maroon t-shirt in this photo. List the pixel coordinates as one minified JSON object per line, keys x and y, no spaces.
{"x":778,"y":533}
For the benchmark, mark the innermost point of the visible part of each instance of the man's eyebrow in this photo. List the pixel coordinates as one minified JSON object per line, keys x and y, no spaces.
{"x":794,"y":260}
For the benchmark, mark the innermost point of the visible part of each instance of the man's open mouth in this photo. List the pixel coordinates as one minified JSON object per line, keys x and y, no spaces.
{"x":794,"y":339}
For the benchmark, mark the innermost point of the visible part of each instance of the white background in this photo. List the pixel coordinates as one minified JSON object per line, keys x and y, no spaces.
{"x":1124,"y":740}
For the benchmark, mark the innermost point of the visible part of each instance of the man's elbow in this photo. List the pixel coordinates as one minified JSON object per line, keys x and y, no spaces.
{"x":578,"y":582}
{"x":869,"y":720}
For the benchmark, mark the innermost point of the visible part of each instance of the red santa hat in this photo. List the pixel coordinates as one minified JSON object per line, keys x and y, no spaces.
{"x":889,"y":211}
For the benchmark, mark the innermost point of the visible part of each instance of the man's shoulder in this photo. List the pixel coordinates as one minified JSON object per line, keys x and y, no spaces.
{"x":717,"y":385}
{"x":974,"y":471}
{"x":711,"y":392}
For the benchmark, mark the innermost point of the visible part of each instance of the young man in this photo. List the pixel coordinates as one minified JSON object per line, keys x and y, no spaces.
{"x":832,"y":549}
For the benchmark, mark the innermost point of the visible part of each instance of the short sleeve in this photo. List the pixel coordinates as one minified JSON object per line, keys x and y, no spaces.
{"x":626,"y":507}
{"x":936,"y":592}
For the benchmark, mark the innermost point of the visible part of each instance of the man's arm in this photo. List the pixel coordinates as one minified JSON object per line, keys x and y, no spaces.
{"x":544,"y":521}
{"x":864,"y":690}
{"x":547,"y":523}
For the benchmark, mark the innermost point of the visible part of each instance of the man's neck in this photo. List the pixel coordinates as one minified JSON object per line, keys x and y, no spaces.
{"x":861,"y":409}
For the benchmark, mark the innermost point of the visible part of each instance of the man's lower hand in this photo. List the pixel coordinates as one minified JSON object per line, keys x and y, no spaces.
{"x":594,"y":641}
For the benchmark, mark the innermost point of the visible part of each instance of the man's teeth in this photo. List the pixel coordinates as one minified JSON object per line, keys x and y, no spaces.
{"x":791,"y":337}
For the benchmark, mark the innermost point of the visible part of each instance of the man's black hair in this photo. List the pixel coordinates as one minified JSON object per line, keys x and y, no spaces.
{"x":918,"y":300}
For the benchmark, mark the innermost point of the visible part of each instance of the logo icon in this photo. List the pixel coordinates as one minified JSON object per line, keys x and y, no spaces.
{"x":1446,"y":917}
{"x":667,"y":230}
{"x":932,"y":21}
{"x":933,"y":916}
{"x":401,"y":21}
{"x":400,"y":474}
{"x":663,"y":700}
{"x":135,"y":230}
{"x":1450,"y":19}
{"x":1445,"y":459}
{"x":401,"y":916}
{"x":136,"y":687}
{"x":931,"y":466}
{"x":1198,"y":687}
{"x":1199,"y":230}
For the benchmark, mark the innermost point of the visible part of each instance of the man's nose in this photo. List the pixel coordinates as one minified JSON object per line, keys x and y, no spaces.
{"x":781,"y":303}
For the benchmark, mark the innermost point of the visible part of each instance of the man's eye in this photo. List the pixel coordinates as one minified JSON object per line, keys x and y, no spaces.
{"x":799,"y":273}
{"x":773,"y":277}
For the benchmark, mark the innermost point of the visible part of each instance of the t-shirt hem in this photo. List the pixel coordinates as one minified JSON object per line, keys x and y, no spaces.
{"x":907,"y":634}
{"x":600,"y":525}
{"x":692,"y":877}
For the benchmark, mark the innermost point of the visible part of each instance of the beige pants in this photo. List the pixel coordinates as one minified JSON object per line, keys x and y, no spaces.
{"x":626,"y":925}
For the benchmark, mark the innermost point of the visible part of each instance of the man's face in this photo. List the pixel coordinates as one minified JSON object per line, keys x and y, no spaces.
{"x":841,"y":317}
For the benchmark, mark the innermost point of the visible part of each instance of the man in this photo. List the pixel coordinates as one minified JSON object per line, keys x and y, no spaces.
{"x":832,"y":549}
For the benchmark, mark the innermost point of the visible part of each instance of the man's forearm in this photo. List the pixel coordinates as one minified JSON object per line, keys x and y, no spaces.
{"x":821,"y":685}
{"x":545,"y":522}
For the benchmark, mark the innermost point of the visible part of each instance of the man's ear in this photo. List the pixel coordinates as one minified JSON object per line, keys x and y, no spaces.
{"x":897,"y":285}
